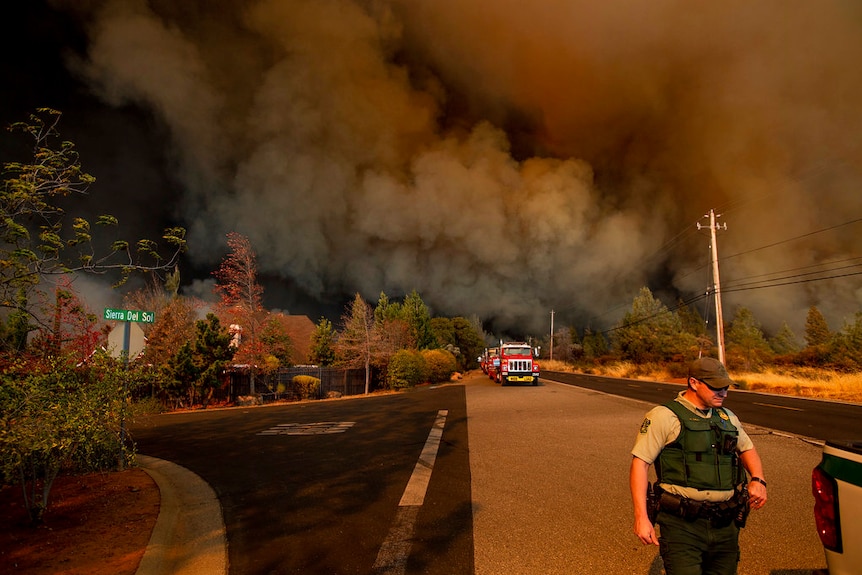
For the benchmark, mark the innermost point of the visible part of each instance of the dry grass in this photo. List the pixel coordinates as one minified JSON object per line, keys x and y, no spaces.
{"x":802,"y":382}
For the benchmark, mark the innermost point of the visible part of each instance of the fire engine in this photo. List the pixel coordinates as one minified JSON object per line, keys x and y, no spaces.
{"x":516,"y":364}
{"x":490,"y":361}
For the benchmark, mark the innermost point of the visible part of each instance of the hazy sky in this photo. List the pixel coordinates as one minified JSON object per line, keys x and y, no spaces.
{"x":503,"y":158}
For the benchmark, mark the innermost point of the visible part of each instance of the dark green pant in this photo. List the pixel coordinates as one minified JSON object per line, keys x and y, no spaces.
{"x":697,"y":547}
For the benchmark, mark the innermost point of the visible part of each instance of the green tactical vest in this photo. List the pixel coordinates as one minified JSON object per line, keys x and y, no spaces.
{"x":704,"y":454}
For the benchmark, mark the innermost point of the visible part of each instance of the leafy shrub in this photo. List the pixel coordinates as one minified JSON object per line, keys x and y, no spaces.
{"x":406,"y":369}
{"x":61,"y":418}
{"x":307,"y":386}
{"x":440,"y":364}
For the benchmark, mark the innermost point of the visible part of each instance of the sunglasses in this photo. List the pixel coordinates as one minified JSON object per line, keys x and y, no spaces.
{"x":713,"y":388}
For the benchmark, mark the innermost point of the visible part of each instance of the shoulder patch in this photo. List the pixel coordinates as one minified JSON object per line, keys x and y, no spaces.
{"x":645,"y":425}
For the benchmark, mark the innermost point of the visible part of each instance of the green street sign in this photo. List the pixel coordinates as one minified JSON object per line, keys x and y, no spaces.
{"x":129,"y":315}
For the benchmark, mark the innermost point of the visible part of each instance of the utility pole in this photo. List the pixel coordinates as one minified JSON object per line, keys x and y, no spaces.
{"x":716,"y":286}
{"x":552,"y":336}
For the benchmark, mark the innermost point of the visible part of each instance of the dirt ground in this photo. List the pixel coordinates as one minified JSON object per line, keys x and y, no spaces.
{"x":96,"y":524}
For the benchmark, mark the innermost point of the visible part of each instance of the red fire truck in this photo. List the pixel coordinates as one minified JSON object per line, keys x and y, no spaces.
{"x":516,"y":364}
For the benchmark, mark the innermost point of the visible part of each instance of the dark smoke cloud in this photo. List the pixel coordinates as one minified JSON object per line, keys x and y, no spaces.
{"x":503,"y":158}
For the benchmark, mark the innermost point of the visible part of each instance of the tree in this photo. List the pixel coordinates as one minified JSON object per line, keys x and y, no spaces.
{"x":213,"y":351}
{"x":73,"y":331}
{"x":34,"y":239}
{"x":650,"y":332}
{"x":59,"y":408}
{"x":356,"y":344}
{"x":746,"y":345}
{"x":181,"y":375}
{"x":276,"y":342}
{"x":785,"y":341}
{"x":845,"y":347}
{"x":392,"y":329}
{"x":595,"y":344}
{"x":174,"y":325}
{"x":691,"y":320}
{"x":468,"y":340}
{"x":442,"y":331}
{"x":565,"y":342}
{"x":417,"y":315}
{"x":323,"y":343}
{"x":816,"y":329}
{"x":241,"y":301}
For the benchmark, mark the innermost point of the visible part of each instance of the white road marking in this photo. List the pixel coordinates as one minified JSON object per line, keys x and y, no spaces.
{"x":778,"y":406}
{"x":321,"y":428}
{"x":393,"y":554}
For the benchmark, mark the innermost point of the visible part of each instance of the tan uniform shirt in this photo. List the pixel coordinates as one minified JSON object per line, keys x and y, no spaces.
{"x":661,"y":426}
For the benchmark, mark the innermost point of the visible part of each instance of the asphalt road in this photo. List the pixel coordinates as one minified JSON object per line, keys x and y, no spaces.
{"x":527,"y":481}
{"x":315,"y":487}
{"x":813,"y":418}
{"x":550,"y":487}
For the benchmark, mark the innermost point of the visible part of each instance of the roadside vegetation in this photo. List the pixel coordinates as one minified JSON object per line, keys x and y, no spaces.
{"x":657,"y":343}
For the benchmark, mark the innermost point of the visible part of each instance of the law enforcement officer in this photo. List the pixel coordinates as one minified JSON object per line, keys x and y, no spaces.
{"x":702,"y":495}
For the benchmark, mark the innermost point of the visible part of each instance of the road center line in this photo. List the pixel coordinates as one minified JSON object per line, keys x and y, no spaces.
{"x":392,"y":557}
{"x":778,"y":406}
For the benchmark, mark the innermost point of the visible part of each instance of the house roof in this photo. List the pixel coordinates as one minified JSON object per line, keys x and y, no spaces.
{"x":300,"y":329}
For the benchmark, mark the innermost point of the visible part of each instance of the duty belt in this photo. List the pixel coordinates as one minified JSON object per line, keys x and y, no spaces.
{"x":720,"y":514}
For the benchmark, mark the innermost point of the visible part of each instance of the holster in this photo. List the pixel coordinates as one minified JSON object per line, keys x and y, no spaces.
{"x":652,"y":501}
{"x":742,"y":509}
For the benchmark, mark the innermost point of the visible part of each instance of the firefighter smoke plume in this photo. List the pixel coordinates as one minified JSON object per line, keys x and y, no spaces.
{"x":504,"y":158}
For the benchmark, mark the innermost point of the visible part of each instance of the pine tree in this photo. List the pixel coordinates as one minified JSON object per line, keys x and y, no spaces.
{"x":323,"y":344}
{"x":785,"y":341}
{"x":816,"y":329}
{"x":746,"y":342}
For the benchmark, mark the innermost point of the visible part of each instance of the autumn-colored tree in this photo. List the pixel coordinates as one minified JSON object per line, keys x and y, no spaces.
{"x":72,"y":332}
{"x":174,"y":325}
{"x":241,"y":303}
{"x":356,"y":343}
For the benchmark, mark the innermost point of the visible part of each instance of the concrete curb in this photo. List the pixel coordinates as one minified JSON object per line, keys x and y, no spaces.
{"x":189,"y":535}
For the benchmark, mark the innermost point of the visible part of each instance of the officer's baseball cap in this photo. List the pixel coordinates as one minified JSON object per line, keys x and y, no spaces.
{"x":710,"y":371}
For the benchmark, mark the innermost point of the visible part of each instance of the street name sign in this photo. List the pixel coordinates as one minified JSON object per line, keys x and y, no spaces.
{"x":129,"y":315}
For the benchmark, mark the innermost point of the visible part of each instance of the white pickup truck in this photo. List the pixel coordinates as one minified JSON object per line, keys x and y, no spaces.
{"x":837,"y":486}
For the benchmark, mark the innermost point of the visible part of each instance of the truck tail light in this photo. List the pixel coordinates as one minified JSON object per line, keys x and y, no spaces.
{"x":826,"y":516}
